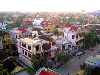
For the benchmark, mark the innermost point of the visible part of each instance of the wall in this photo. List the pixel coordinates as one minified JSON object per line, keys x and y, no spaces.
{"x":68,"y":36}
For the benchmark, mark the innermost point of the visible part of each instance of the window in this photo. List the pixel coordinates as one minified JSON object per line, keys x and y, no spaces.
{"x":19,"y":35}
{"x":26,"y":53}
{"x":76,"y":36}
{"x":23,"y":44}
{"x":16,"y":36}
{"x":37,"y":48}
{"x":23,"y":51}
{"x":8,"y":46}
{"x":63,"y":46}
{"x":73,"y":36}
{"x":29,"y":55}
{"x":69,"y":46}
{"x":29,"y":47}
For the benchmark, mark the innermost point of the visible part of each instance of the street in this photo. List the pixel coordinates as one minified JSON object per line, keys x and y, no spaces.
{"x":73,"y":66}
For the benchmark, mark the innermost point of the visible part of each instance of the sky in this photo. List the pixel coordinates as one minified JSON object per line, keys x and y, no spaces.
{"x":49,"y":5}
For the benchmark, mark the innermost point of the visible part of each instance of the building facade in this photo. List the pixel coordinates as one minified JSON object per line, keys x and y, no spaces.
{"x":28,"y":46}
{"x":72,"y":38}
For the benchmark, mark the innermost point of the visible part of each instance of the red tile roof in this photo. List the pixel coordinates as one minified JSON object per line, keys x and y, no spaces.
{"x":44,"y":23}
{"x":72,"y":27}
{"x":48,"y":73}
{"x":67,"y":25}
{"x":27,"y":21}
{"x":23,"y":30}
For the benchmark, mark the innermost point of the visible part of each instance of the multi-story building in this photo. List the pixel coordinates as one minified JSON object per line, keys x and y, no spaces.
{"x":27,"y":46}
{"x":72,"y":37}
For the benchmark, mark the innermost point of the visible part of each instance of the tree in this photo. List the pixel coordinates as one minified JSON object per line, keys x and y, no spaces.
{"x":90,"y":39}
{"x":38,"y":61}
{"x":3,"y":71}
{"x":62,"y":57}
{"x":7,"y":43}
{"x":9,"y":49}
{"x":71,"y":20}
{"x":55,"y":31}
{"x":9,"y":63}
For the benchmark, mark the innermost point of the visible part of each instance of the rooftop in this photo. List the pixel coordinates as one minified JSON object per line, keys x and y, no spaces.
{"x":72,"y":27}
{"x":45,"y":71}
{"x":30,"y":40}
{"x":93,"y":60}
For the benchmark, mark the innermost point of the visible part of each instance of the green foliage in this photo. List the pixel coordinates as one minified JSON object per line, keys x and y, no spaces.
{"x":8,"y":46}
{"x":55,"y":31}
{"x":30,"y":70}
{"x":38,"y":61}
{"x":61,"y":57}
{"x":18,"y":24}
{"x":90,"y":39}
{"x":3,"y":71}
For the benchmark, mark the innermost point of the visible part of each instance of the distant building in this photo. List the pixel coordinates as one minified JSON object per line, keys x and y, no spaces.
{"x":27,"y":21}
{"x":18,"y":33}
{"x":37,"y":23}
{"x":48,"y":25}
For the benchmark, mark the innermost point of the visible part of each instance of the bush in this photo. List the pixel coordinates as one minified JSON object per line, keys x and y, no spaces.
{"x":30,"y":70}
{"x":61,"y":57}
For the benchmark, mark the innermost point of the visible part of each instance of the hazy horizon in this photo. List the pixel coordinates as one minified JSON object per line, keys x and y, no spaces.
{"x":49,"y":5}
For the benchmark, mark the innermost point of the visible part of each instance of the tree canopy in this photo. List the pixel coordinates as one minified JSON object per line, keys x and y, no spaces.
{"x":62,"y":57}
{"x":3,"y":71}
{"x":38,"y":61}
{"x":90,"y":39}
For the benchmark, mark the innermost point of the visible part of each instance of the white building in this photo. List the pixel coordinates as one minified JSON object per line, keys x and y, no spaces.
{"x":37,"y":22}
{"x":3,"y":25}
{"x":72,"y":36}
{"x":28,"y":46}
